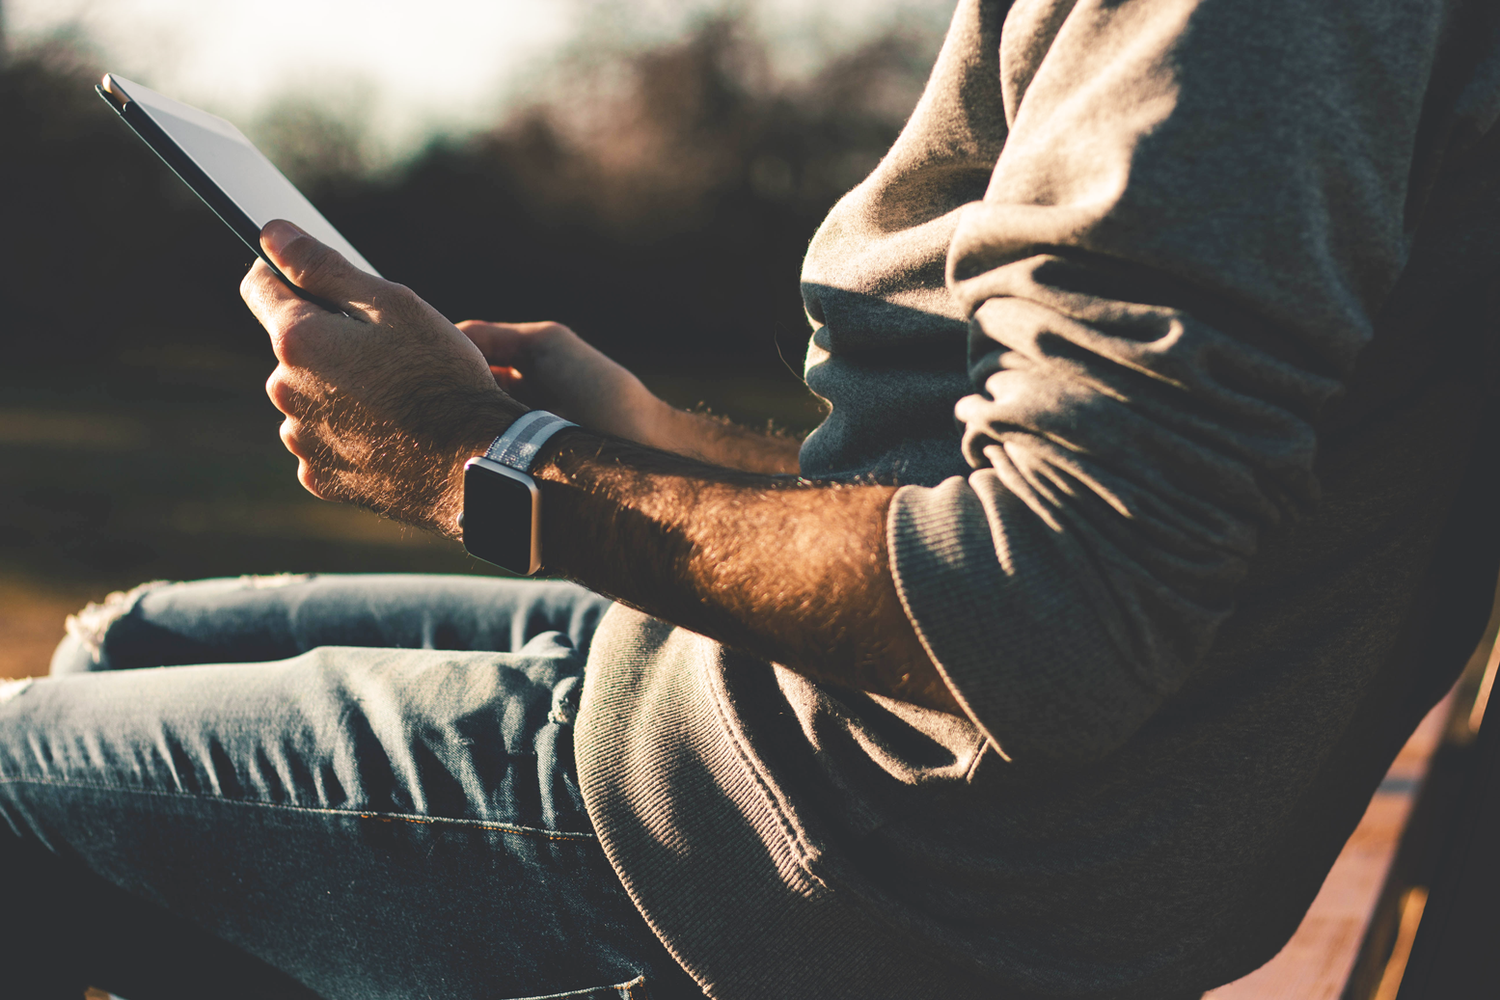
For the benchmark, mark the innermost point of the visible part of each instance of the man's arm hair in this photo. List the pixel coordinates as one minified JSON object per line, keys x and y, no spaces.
{"x":548,"y":366}
{"x":790,"y":570}
{"x":719,"y":441}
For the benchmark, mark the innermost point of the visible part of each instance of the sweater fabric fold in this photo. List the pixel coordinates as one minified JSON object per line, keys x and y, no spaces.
{"x":1170,"y":318}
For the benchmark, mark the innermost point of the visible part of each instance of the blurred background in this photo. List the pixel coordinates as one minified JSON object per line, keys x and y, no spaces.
{"x":648,"y":173}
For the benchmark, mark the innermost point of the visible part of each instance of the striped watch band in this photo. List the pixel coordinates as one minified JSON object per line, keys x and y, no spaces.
{"x":518,"y":446}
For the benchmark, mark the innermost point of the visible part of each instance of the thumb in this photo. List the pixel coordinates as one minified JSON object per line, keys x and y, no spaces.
{"x":314,"y":267}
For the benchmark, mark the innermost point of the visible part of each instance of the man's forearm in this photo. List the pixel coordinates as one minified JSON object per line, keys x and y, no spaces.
{"x":548,"y":366}
{"x":721,"y":442}
{"x":792,"y":571}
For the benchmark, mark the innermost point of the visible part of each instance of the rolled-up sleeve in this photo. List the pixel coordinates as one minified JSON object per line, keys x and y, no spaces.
{"x":1200,"y":207}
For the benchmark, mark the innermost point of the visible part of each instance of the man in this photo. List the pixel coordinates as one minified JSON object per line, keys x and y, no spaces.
{"x":1077,"y":698}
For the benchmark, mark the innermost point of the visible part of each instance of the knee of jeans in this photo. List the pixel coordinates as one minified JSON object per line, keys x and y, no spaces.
{"x":83,"y":649}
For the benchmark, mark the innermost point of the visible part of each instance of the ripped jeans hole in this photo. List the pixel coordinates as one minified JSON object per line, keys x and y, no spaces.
{"x":92,"y":624}
{"x":9,"y":689}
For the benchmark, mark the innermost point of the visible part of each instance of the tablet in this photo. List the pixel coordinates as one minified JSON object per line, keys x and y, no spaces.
{"x":223,"y":168}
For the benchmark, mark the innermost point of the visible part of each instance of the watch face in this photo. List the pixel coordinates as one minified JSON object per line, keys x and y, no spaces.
{"x":500,"y":516}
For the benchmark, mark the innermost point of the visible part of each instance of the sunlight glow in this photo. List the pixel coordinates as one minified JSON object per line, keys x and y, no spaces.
{"x":408,"y":70}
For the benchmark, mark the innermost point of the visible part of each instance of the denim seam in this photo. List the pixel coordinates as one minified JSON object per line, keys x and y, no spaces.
{"x":524,"y":831}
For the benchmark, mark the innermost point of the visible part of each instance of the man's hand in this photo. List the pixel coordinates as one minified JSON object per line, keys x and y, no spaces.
{"x":548,"y":366}
{"x":383,"y":403}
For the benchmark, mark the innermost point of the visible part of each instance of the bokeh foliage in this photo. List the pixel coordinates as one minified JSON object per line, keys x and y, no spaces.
{"x":659,"y":199}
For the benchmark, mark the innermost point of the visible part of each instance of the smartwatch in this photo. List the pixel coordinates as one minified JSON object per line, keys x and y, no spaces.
{"x":502,"y":518}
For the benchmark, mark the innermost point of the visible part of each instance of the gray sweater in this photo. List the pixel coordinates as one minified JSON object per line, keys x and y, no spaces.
{"x":1170,"y":315}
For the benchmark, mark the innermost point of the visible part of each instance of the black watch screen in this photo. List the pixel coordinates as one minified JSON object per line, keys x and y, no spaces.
{"x":501,"y":521}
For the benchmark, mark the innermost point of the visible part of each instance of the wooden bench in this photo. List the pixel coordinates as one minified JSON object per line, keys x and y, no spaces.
{"x":1455,"y":850}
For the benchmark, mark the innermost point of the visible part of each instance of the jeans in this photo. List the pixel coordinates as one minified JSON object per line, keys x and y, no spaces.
{"x":344,"y":787}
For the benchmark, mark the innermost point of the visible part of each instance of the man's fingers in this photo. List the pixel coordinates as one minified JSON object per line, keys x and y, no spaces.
{"x":504,"y":349}
{"x":502,"y":345}
{"x":513,"y":345}
{"x":271,"y":302}
{"x":291,"y":441}
{"x":301,"y":332}
{"x":294,"y":393}
{"x":315,"y":267}
{"x":508,"y":379}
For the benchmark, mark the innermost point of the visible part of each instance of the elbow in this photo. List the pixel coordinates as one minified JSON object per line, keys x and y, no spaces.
{"x":1081,"y":717}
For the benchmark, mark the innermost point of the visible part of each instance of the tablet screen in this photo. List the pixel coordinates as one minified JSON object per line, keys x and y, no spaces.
{"x":232,"y":162}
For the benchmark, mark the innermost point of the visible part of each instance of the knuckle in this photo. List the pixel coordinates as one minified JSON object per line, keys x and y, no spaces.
{"x":317,"y":263}
{"x":396,"y":302}
{"x":310,"y":480}
{"x":283,"y":394}
{"x":554,"y":338}
{"x":260,"y":298}
{"x":289,"y":440}
{"x":317,"y":479}
{"x":248,"y":286}
{"x":290,"y":343}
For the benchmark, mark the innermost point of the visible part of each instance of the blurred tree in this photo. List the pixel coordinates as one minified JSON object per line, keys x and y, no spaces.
{"x":317,"y":147}
{"x":103,"y":247}
{"x":658,"y":199}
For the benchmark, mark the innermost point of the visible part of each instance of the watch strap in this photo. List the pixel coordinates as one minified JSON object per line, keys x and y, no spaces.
{"x":517,"y":448}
